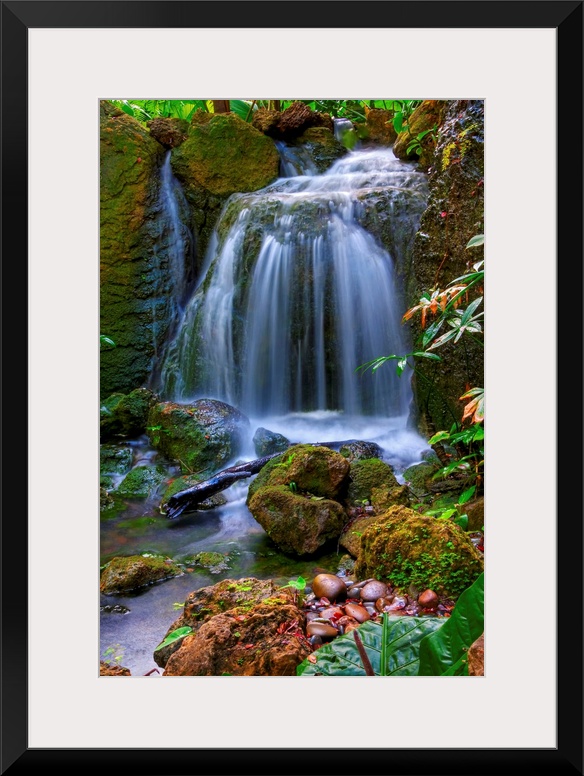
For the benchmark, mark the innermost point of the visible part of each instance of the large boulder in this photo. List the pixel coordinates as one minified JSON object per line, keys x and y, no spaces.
{"x":379,"y":126}
{"x":264,"y":640}
{"x":366,"y":475}
{"x":405,"y":548}
{"x":135,"y":304}
{"x":316,"y":470}
{"x":222,"y":155}
{"x":125,"y":573}
{"x":296,"y":522}
{"x":170,"y":132}
{"x":322,"y":146}
{"x":202,"y":436}
{"x":142,"y":481}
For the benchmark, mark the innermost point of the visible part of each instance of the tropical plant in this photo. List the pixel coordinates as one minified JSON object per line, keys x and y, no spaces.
{"x":405,"y":646}
{"x":106,"y":342}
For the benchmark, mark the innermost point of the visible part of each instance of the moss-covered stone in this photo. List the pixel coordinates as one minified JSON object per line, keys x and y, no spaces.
{"x":295,"y":523}
{"x":350,"y":539}
{"x":225,"y":155}
{"x":355,"y":450}
{"x":384,"y":497}
{"x":323,"y":147}
{"x":125,"y":415}
{"x":405,"y":548}
{"x":114,"y":459}
{"x":214,"y":562}
{"x":318,"y":471}
{"x":129,"y":185}
{"x":202,"y":436}
{"x":419,"y":478}
{"x":123,"y":574}
{"x":366,"y":474}
{"x":475,"y":511}
{"x":170,"y":132}
{"x":142,"y":481}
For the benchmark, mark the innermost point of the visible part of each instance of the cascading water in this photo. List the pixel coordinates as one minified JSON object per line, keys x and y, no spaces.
{"x":301,"y":292}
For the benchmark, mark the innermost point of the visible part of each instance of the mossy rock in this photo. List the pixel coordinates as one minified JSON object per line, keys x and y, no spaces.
{"x":123,"y":574}
{"x":405,"y":548}
{"x":142,"y":481}
{"x":125,"y":415}
{"x":316,"y":470}
{"x":115,"y":459}
{"x":350,"y":539}
{"x":323,"y":147}
{"x":111,"y":504}
{"x":170,"y":132}
{"x":367,"y":474}
{"x":356,"y":449}
{"x":224,"y":154}
{"x":383,"y":498}
{"x":295,"y":523}
{"x":202,"y":436}
{"x":475,"y":511}
{"x":214,"y":562}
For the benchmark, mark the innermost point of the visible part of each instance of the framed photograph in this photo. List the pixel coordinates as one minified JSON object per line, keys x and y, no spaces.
{"x":74,"y":70}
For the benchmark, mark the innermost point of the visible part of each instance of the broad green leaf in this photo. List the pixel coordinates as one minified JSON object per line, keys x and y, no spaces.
{"x":462,"y":521}
{"x":424,"y":354}
{"x":444,"y":653}
{"x":438,"y":437}
{"x":179,"y":633}
{"x":467,"y":494}
{"x":447,"y":514}
{"x":398,"y":122}
{"x":467,"y":315}
{"x":403,"y":637}
{"x":478,"y":239}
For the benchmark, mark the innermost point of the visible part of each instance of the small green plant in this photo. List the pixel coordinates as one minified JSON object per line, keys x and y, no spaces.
{"x":298,"y":586}
{"x":106,"y":342}
{"x":415,"y":145}
{"x":293,"y":487}
{"x":113,"y":654}
{"x":177,"y":606}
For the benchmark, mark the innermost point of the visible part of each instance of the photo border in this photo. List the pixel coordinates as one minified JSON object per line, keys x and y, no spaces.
{"x":566,"y":17}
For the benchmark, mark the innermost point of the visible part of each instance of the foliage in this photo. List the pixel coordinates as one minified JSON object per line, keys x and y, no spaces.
{"x":106,"y":341}
{"x":179,"y":633}
{"x":406,"y":646}
{"x":400,"y":648}
{"x":443,"y":653}
{"x":113,"y":654}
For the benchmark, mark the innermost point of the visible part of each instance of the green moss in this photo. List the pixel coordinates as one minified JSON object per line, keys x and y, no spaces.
{"x":405,"y":548}
{"x":114,"y":459}
{"x":142,"y":481}
{"x":123,"y":574}
{"x":367,"y":474}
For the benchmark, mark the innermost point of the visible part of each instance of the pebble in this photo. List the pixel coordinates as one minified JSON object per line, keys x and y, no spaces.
{"x":353,"y":592}
{"x":322,"y":630}
{"x":330,"y":612}
{"x":357,"y":612}
{"x":373,"y":590}
{"x":428,"y":599}
{"x":329,"y":586}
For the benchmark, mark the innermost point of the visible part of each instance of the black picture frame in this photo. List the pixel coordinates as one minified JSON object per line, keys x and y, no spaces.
{"x":18,"y":16}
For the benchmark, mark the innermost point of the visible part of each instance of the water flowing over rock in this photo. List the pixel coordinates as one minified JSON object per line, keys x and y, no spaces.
{"x":299,"y":294}
{"x":144,"y":250}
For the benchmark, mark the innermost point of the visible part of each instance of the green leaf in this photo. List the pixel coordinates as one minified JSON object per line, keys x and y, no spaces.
{"x":401,"y":365}
{"x":424,"y":354}
{"x":478,"y":239}
{"x":438,"y":437}
{"x":447,"y":514}
{"x":462,"y":521}
{"x":403,"y":636}
{"x":467,"y":494}
{"x":179,"y":633}
{"x":444,"y":653}
{"x":398,"y":122}
{"x":467,"y":315}
{"x":103,"y":340}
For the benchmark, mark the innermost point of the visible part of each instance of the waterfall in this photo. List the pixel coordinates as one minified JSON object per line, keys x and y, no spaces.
{"x":301,"y":290}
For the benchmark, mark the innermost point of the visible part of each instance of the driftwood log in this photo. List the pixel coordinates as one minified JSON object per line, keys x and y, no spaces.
{"x":187,"y":500}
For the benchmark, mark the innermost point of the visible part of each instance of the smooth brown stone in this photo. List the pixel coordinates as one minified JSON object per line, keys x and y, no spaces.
{"x":330,"y":612}
{"x":329,"y":586}
{"x":320,"y":629}
{"x":373,"y":590}
{"x":428,"y":599}
{"x":357,"y":612}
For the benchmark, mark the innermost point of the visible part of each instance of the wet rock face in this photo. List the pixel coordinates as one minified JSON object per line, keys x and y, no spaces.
{"x":289,"y":124}
{"x":123,"y":574}
{"x":266,"y":639}
{"x":405,"y":548}
{"x":454,"y":214}
{"x":323,"y":147}
{"x":423,"y":119}
{"x":267,"y":442}
{"x":379,"y":126}
{"x":202,"y":436}
{"x":130,"y":160}
{"x":367,"y":474}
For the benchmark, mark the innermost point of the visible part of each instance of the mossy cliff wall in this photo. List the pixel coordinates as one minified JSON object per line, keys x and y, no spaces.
{"x":133,"y":312}
{"x":454,"y":214}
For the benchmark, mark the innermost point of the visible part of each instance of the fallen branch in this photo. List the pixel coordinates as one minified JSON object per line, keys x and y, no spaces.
{"x":188,"y":499}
